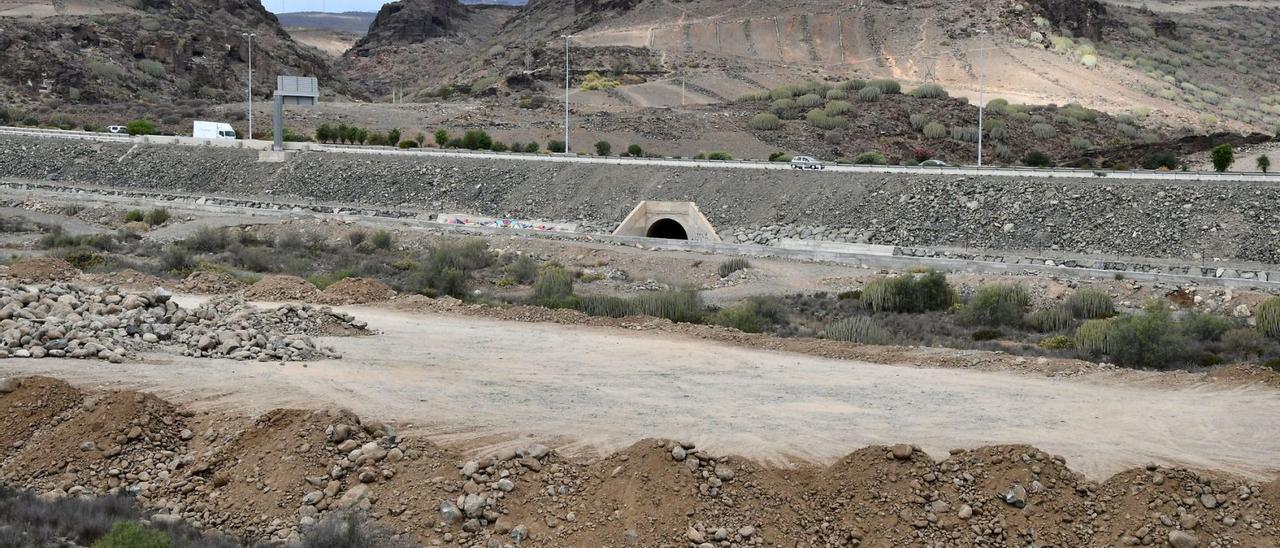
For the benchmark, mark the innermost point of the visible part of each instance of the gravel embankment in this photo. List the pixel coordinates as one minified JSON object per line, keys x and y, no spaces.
{"x":1153,"y":219}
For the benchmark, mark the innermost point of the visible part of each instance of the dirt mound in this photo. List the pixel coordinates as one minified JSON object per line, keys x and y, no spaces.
{"x":127,"y":279}
{"x":29,"y":404}
{"x":281,"y":288}
{"x":355,"y":291}
{"x":210,"y":283}
{"x":42,"y":269}
{"x":270,"y":477}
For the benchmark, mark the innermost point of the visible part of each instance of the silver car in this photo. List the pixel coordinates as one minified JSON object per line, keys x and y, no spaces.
{"x":806,"y":162}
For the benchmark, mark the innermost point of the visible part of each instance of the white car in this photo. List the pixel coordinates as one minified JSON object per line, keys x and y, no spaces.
{"x":117,"y":129}
{"x":806,"y":162}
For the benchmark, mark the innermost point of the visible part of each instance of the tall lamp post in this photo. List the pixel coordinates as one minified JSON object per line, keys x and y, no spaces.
{"x":982,"y":74}
{"x":566,"y":37}
{"x":250,"y":36}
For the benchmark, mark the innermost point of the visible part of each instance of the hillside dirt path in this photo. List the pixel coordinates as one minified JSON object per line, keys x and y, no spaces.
{"x":485,"y":383}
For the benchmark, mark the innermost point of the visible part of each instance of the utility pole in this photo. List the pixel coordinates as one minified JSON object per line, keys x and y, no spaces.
{"x":250,"y":36}
{"x":982,"y":74}
{"x":566,"y":37}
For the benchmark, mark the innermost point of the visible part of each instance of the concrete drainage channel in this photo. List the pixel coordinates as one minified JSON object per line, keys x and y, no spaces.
{"x":856,"y":255}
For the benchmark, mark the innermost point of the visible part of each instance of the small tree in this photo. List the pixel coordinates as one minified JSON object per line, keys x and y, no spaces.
{"x":324,"y":133}
{"x":1264,"y":163}
{"x":555,"y":146}
{"x":420,"y":138}
{"x":1223,"y":157}
{"x":635,"y":150}
{"x":442,"y":138}
{"x":141,"y":127}
{"x":393,"y":136}
{"x":340,"y":134}
{"x":532,"y":147}
{"x":1036,"y":158}
{"x":603,"y":148}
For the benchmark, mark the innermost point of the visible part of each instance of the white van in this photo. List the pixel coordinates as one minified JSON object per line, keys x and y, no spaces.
{"x":213,"y":130}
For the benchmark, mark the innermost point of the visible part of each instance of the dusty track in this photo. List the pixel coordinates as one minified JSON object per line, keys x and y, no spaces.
{"x":484,"y":382}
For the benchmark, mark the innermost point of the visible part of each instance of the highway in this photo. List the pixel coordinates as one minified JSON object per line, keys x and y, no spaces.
{"x":1022,"y":172}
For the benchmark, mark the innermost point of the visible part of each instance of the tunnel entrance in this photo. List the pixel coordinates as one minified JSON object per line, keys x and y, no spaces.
{"x":667,"y":229}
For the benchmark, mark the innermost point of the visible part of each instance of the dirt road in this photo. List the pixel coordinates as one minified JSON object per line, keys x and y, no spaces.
{"x":489,"y":382}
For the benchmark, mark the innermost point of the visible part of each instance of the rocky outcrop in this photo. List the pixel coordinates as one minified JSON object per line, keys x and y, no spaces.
{"x":1082,"y":17}
{"x":169,"y":50}
{"x":412,"y":22}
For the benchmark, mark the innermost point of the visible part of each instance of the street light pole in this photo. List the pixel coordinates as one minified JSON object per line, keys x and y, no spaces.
{"x":982,"y":74}
{"x":250,"y":36}
{"x":566,"y":37}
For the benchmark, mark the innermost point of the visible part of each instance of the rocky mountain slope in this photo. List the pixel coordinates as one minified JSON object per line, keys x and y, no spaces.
{"x":150,"y":50}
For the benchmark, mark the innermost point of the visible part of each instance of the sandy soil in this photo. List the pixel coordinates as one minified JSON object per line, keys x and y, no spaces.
{"x":457,"y":379}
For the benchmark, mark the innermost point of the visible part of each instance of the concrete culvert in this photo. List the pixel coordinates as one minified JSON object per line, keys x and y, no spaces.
{"x":667,"y":229}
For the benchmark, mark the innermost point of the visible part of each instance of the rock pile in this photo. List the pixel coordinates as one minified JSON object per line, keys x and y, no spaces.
{"x":487,"y":483}
{"x":64,"y":320}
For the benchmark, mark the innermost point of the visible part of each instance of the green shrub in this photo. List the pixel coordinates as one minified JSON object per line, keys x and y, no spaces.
{"x":1268,"y":317}
{"x":1162,"y":159}
{"x":356,"y":237}
{"x":753,"y":97}
{"x":633,"y":150}
{"x":986,"y":334}
{"x":499,"y":146}
{"x":533,"y":147}
{"x":406,"y":144}
{"x":869,"y":94}
{"x":808,"y":101}
{"x":105,"y":71}
{"x":1080,"y":143}
{"x":1223,"y":156}
{"x":837,"y":107}
{"x":919,"y":120}
{"x":441,"y":137}
{"x":779,"y":157}
{"x":556,"y":146}
{"x":604,"y":306}
{"x":966,"y":133}
{"x":448,"y":266}
{"x":820,"y":119}
{"x":1044,"y":131}
{"x":858,"y":329}
{"x":1036,"y":158}
{"x":997,"y":130}
{"x":553,"y":288}
{"x":1051,"y":320}
{"x":934,"y":130}
{"x":128,"y":534}
{"x":765,"y":121}
{"x":523,"y":270}
{"x":871,"y":158}
{"x":998,"y":106}
{"x":1076,"y":111}
{"x":603,"y":148}
{"x":720,"y":156}
{"x":886,"y":86}
{"x":837,"y":95}
{"x":753,"y":315}
{"x":151,"y":68}
{"x":929,"y":91}
{"x":676,"y":305}
{"x":1264,"y":163}
{"x":134,"y":216}
{"x":476,"y":139}
{"x":852,"y":85}
{"x":1147,"y":339}
{"x":912,"y":294}
{"x":1205,"y":327}
{"x":996,"y":305}
{"x":382,"y":239}
{"x":1090,"y":304}
{"x":1058,"y":342}
{"x":157,"y":216}
{"x":140,"y":127}
{"x":729,"y":266}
